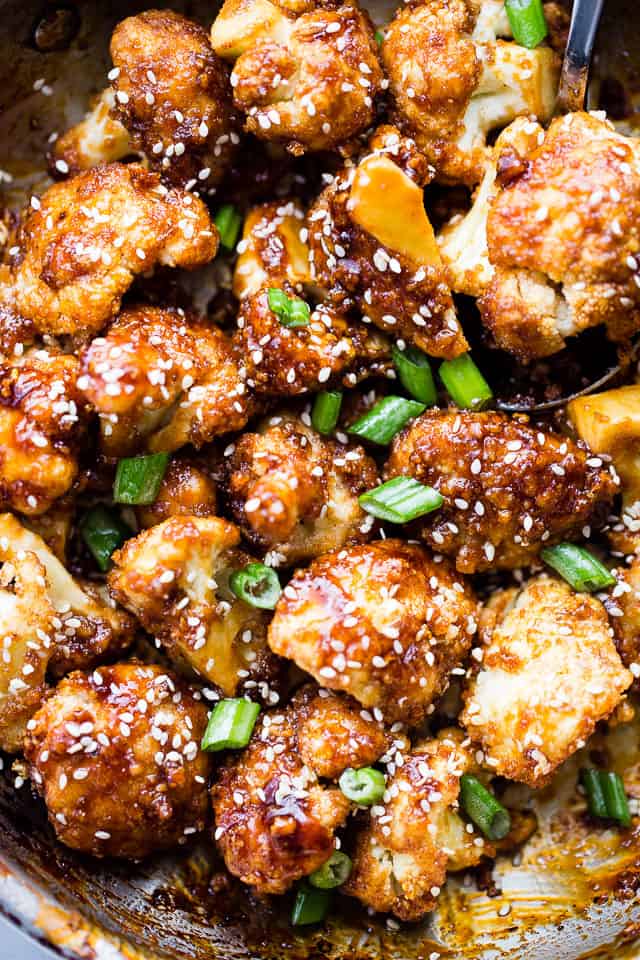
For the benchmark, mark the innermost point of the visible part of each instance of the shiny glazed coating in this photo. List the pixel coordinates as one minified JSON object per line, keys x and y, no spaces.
{"x":186,"y":490}
{"x":549,"y":672}
{"x":383,"y":622}
{"x":364,"y":254}
{"x":43,"y":418}
{"x":305,"y":74}
{"x":175,"y":578}
{"x":84,"y":240}
{"x":509,"y":488}
{"x":115,"y":755}
{"x":295,"y":493}
{"x":402,"y":856}
{"x":275,"y":822}
{"x":273,"y":251}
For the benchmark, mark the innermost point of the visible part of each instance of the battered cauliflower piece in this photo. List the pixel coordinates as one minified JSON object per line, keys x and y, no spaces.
{"x":115,"y":755}
{"x":273,"y":251}
{"x":161,"y":379}
{"x":48,"y":622}
{"x":98,"y":138}
{"x":509,"y":488}
{"x":403,"y":855}
{"x":275,"y":822}
{"x":43,"y":419}
{"x":549,"y":673}
{"x":454,"y":82}
{"x":562,"y":233}
{"x":295,"y":493}
{"x":382,"y":621}
{"x":186,"y":490}
{"x":305,"y":73}
{"x":175,"y":578}
{"x":84,"y":241}
{"x":373,"y":247}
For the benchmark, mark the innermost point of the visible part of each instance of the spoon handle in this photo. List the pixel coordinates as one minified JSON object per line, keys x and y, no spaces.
{"x":585,"y":17}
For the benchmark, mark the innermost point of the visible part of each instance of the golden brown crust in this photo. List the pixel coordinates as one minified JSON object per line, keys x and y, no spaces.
{"x":115,"y":755}
{"x":381,"y":621}
{"x":509,"y":488}
{"x":84,"y":241}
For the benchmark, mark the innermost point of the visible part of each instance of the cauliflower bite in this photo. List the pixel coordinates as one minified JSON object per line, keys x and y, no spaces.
{"x":382,"y":621}
{"x":295,"y":493}
{"x":562,"y":236}
{"x":175,"y":578}
{"x":48,"y":621}
{"x":305,"y":73}
{"x":42,"y":423}
{"x":115,"y":755}
{"x":99,"y":138}
{"x":186,"y":490}
{"x":273,"y":251}
{"x":275,"y":822}
{"x":402,"y":856}
{"x":549,"y":672}
{"x":161,"y":379}
{"x":454,"y":82}
{"x":84,"y":240}
{"x":509,"y":488}
{"x":373,"y":246}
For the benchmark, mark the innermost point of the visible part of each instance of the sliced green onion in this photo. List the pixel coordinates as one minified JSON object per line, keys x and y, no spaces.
{"x":103,"y":531}
{"x":606,"y":797}
{"x":311,"y":906}
{"x":326,"y":410}
{"x":138,"y":479}
{"x":414,"y":372}
{"x":278,"y":302}
{"x":228,"y":221}
{"x":465,"y":384}
{"x":580,"y":569}
{"x":299,"y":314}
{"x":379,"y":37}
{"x":527,"y":20}
{"x":364,"y":786}
{"x":386,"y":419}
{"x":400,"y":500}
{"x":333,"y":873}
{"x":483,"y":808}
{"x":230,"y":725}
{"x":257,"y":585}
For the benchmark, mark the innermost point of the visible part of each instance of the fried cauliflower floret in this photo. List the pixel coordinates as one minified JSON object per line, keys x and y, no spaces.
{"x":563,"y":237}
{"x":115,"y":755}
{"x":275,"y":822}
{"x":454,"y":82}
{"x":273,"y":251}
{"x":98,"y":138}
{"x":373,"y":247}
{"x":295,"y":493}
{"x":186,"y":490}
{"x":305,"y":74}
{"x":509,"y":488}
{"x":175,"y":578}
{"x":42,"y":423}
{"x":85,"y":240}
{"x":402,"y":856}
{"x":48,"y":622}
{"x":162,"y":379}
{"x":549,"y":673}
{"x":383,"y":622}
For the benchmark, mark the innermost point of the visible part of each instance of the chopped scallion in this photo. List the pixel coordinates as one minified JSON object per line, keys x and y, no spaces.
{"x":483,"y":809}
{"x":278,"y":302}
{"x":326,"y":410}
{"x":400,"y":500}
{"x":414,"y":373}
{"x":311,"y":906}
{"x":578,"y":567}
{"x":138,"y":479}
{"x":103,"y":531}
{"x":228,"y":221}
{"x":365,"y":786}
{"x":257,"y":585}
{"x":386,"y":419}
{"x":333,"y":873}
{"x":528,"y":22}
{"x":291,"y":311}
{"x":230,"y":725}
{"x":465,"y":384}
{"x":606,"y":797}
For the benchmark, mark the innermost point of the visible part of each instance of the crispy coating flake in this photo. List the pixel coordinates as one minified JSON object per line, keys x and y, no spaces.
{"x":186,"y":490}
{"x":295,"y":493}
{"x":382,"y":621}
{"x":43,"y":418}
{"x":305,"y":75}
{"x":84,"y":240}
{"x":175,"y":578}
{"x":115,"y":756}
{"x":549,"y":673}
{"x":454,"y":82}
{"x":275,"y":822}
{"x":48,"y":622}
{"x":162,"y":379}
{"x":509,"y":488}
{"x":402,"y":856}
{"x":373,"y":247}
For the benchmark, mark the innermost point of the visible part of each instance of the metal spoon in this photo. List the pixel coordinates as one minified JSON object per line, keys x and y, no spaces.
{"x":574,"y":75}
